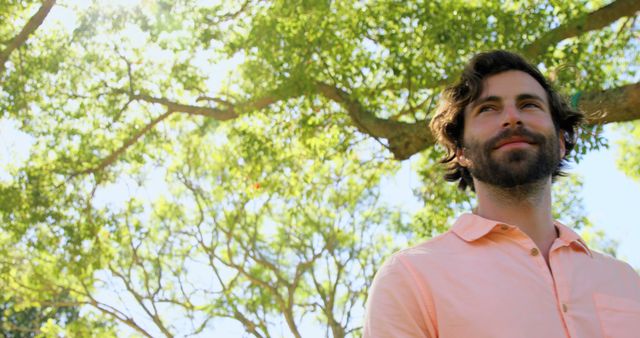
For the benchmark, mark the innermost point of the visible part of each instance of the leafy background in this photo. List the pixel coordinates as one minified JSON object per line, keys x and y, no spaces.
{"x":183,"y":168}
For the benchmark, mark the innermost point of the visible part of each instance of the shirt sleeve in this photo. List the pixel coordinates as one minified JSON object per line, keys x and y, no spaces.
{"x":395,"y":306}
{"x":633,"y":275}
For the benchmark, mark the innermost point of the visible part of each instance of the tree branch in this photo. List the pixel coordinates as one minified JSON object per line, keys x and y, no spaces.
{"x":618,"y":104}
{"x":111,"y":158}
{"x":595,"y":20}
{"x":219,"y":114}
{"x":405,"y":139}
{"x":215,"y":113}
{"x":621,"y":104}
{"x":127,"y":320}
{"x":228,"y":16}
{"x":153,"y":315}
{"x":34,"y":22}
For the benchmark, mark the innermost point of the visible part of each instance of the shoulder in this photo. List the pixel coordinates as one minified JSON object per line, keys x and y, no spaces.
{"x":608,"y":262}
{"x":426,"y":252}
{"x":617,"y":271}
{"x":400,"y":300}
{"x":412,"y":265}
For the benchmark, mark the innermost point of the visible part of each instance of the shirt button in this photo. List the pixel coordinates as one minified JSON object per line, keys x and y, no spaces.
{"x":534,"y":252}
{"x":504,"y":227}
{"x":564,"y":307}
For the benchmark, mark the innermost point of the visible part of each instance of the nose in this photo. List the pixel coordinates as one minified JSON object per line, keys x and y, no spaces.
{"x":511,"y":116}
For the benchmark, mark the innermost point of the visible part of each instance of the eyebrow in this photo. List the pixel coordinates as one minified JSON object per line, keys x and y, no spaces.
{"x":523,"y":97}
{"x":520,"y":97}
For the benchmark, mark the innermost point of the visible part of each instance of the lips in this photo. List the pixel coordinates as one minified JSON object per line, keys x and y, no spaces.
{"x":513,"y":140}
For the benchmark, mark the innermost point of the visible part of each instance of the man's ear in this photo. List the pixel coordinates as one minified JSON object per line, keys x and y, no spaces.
{"x":462,"y":159}
{"x":563,"y":146}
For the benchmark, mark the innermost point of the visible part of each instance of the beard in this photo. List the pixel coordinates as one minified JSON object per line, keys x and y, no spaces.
{"x":511,"y":168}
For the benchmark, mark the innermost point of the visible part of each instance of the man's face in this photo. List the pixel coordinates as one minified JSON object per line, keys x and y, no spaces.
{"x":509,"y":136}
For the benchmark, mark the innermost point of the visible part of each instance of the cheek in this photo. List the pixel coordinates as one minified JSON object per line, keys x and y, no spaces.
{"x":541,"y":120}
{"x":482,"y":128}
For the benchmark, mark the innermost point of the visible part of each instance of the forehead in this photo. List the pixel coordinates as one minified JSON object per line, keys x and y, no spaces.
{"x":510,"y":84}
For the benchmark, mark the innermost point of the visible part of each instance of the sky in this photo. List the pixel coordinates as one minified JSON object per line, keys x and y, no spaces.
{"x":610,"y":197}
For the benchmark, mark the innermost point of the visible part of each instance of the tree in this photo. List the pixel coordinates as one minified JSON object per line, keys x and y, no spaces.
{"x":11,"y":11}
{"x":27,"y":322}
{"x":264,"y":206}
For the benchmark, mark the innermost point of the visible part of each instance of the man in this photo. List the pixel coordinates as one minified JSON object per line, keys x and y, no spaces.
{"x":507,"y":270}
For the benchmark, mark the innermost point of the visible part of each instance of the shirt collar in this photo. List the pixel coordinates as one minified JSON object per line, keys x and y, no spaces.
{"x":471,"y":227}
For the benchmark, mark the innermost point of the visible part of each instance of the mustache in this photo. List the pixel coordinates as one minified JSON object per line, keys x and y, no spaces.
{"x":521,"y":132}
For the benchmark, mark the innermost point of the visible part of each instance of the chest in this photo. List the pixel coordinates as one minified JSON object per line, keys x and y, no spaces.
{"x":511,"y":295}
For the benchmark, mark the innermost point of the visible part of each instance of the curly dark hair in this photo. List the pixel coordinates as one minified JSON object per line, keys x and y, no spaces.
{"x":447,"y":124}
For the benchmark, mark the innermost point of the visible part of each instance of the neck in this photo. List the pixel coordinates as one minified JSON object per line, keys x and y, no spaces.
{"x":527,"y":206}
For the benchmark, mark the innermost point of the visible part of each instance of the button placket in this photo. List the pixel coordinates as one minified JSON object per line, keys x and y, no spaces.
{"x":534,"y":254}
{"x":550,"y":277}
{"x":561,"y":292}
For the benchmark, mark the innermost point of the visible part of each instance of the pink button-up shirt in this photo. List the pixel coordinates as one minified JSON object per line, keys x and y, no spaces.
{"x":486,"y":279}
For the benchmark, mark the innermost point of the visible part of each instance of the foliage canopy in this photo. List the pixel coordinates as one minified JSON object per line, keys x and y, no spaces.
{"x":189,"y":162}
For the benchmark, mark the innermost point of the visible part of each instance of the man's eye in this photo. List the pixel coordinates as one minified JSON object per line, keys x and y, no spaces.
{"x":486,"y":108}
{"x":531,"y":105}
